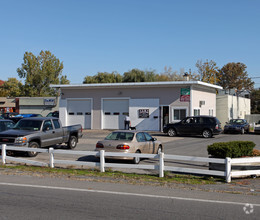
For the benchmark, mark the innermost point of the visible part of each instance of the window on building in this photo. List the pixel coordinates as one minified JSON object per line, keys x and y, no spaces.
{"x":179,"y":114}
{"x":210,"y":112}
{"x":196,"y":112}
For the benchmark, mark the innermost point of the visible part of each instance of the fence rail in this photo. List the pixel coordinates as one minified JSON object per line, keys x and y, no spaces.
{"x":160,"y":167}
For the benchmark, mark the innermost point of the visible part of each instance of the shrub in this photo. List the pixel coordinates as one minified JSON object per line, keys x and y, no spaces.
{"x":231,"y":149}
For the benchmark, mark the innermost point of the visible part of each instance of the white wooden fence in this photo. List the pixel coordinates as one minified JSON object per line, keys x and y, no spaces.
{"x":160,"y":166}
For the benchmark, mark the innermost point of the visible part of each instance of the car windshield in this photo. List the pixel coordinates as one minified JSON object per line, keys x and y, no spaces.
{"x":6,"y":125}
{"x":236,"y":121}
{"x":28,"y":125}
{"x":127,"y":136}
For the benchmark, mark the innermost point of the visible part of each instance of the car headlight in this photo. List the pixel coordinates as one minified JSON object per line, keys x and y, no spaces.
{"x":21,"y":140}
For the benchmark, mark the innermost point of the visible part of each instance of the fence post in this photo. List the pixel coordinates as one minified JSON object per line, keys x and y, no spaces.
{"x":161,"y":166}
{"x":51,"y":157}
{"x":228,"y":169}
{"x":3,"y":153}
{"x":102,"y":161}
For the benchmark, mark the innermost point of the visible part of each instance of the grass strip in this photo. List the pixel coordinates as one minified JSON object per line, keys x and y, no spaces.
{"x":115,"y":176}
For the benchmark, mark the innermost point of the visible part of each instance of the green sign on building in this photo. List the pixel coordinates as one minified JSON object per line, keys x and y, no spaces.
{"x":185,"y":95}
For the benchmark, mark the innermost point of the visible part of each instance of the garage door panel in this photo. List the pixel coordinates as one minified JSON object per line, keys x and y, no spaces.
{"x":79,"y":112}
{"x":114,"y":111}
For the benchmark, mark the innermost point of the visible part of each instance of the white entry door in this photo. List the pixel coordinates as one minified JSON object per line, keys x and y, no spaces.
{"x":114,"y":112}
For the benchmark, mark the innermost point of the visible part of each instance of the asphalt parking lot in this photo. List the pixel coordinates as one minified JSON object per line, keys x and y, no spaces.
{"x":180,"y":145}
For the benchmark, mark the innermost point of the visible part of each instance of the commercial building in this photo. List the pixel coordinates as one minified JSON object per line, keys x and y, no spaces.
{"x":149,"y":104}
{"x":37,"y":105}
{"x":231,"y":105}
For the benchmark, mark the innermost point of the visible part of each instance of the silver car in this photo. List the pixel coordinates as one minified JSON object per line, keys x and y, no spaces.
{"x":130,"y":142}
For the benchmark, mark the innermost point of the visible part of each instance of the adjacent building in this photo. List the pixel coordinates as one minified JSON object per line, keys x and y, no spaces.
{"x":37,"y":105}
{"x":232,"y":106}
{"x":32,"y":105}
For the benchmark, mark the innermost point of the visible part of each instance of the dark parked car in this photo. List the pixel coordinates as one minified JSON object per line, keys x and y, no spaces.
{"x":257,"y":127}
{"x":237,"y":126}
{"x":6,"y":124}
{"x":207,"y":126}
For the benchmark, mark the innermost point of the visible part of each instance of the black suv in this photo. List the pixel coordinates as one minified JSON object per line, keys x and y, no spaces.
{"x":207,"y":126}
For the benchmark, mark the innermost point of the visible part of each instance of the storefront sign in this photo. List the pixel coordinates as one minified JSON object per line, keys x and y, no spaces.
{"x":49,"y":102}
{"x":143,"y":113}
{"x":185,"y":95}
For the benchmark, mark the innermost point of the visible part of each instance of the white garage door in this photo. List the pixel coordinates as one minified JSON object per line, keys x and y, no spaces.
{"x":79,"y":112}
{"x":114,"y":112}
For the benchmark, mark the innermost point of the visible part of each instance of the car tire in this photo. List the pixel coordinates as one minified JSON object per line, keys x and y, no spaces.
{"x":242,"y":131}
{"x":33,"y":145}
{"x":72,"y":143}
{"x":171,"y":132}
{"x":137,"y":160}
{"x":206,"y":133}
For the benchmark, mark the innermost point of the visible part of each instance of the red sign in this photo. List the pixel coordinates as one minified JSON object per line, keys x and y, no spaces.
{"x":185,"y":98}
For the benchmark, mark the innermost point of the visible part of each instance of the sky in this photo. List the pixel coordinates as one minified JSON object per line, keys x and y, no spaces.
{"x":91,"y":36}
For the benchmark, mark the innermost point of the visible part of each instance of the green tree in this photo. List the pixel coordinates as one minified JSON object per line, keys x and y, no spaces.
{"x":234,"y":75}
{"x":134,"y":75}
{"x":12,"y":88}
{"x":255,"y":101}
{"x":208,"y":71}
{"x":64,"y":80}
{"x":150,"y":76}
{"x":103,"y":77}
{"x":39,"y":72}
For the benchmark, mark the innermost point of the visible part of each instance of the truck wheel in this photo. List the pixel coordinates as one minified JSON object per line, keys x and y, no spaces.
{"x":33,"y":145}
{"x":72,"y":143}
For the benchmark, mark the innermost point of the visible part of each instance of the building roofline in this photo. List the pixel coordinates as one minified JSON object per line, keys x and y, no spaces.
{"x":135,"y":84}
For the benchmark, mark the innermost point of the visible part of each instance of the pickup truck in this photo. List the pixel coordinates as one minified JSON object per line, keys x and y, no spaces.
{"x":37,"y":132}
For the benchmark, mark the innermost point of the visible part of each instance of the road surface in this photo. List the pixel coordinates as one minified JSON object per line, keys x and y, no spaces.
{"x":28,"y":197}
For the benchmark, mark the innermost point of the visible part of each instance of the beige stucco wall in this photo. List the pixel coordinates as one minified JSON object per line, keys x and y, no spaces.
{"x":222,"y":109}
{"x":203,"y":94}
{"x":167,"y":96}
{"x":232,"y":107}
